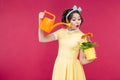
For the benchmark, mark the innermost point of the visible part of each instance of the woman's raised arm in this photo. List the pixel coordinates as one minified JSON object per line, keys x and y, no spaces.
{"x":41,"y":36}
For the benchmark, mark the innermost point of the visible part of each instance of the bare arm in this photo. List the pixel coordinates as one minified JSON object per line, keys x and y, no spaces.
{"x":41,"y":35}
{"x":83,"y":60}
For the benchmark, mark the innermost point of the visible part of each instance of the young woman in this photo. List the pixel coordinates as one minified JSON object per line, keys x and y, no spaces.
{"x":67,"y":65}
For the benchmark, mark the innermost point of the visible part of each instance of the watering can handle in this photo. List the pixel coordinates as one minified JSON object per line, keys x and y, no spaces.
{"x":50,"y":14}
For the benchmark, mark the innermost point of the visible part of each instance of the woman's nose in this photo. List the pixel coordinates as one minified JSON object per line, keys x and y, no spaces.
{"x":77,"y":22}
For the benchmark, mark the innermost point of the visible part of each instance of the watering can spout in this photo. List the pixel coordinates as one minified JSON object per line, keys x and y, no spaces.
{"x":61,"y":23}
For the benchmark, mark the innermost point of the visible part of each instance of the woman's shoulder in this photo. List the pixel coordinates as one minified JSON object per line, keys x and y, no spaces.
{"x":61,"y":30}
{"x":81,"y":32}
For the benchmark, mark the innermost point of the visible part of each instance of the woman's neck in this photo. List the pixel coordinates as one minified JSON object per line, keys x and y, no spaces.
{"x":72,"y":29}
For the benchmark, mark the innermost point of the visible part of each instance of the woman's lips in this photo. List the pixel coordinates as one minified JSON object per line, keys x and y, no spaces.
{"x":77,"y":25}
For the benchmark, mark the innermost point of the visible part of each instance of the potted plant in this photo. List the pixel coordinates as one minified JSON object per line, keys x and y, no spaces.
{"x":88,"y":47}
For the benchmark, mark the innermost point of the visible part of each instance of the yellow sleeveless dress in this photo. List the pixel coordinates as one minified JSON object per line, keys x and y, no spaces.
{"x":67,"y":66}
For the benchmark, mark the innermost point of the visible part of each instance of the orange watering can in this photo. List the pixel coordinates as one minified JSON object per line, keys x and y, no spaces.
{"x":47,"y":24}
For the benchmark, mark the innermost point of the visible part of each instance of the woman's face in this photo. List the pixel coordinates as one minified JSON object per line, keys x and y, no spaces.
{"x":75,"y":21}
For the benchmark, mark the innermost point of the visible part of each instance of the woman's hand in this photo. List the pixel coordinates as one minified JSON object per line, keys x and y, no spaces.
{"x":83,"y":59}
{"x":41,"y":15}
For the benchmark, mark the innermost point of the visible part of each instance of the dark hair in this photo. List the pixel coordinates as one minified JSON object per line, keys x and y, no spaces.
{"x":70,"y":16}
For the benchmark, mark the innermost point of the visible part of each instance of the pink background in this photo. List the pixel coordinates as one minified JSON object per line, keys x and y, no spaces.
{"x":22,"y":57}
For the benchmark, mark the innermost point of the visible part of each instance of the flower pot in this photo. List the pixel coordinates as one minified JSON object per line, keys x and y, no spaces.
{"x":90,"y":53}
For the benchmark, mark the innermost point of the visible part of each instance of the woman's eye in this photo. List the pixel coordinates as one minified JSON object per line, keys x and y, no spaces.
{"x":73,"y":19}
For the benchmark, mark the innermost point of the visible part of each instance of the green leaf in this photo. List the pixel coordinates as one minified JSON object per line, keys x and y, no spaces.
{"x":86,"y":45}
